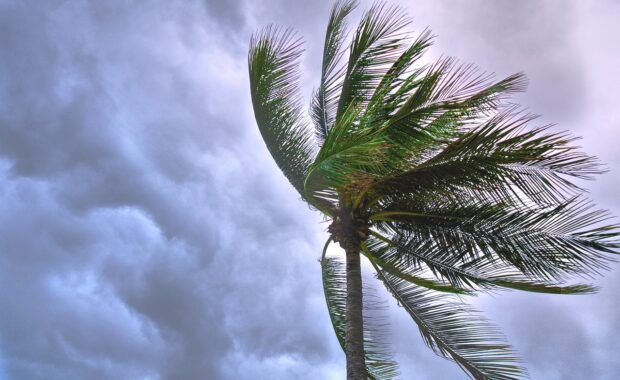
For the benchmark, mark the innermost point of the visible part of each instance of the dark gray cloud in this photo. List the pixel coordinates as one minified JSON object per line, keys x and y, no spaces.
{"x":146,"y":233}
{"x":139,"y":231}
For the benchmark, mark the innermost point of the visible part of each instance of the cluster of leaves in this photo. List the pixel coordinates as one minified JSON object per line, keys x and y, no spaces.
{"x":464,"y":194}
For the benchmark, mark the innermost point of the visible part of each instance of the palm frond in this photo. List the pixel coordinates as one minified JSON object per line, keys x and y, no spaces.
{"x":449,"y":86}
{"x":377,"y":43}
{"x":325,"y":100}
{"x":444,"y":103}
{"x":545,"y":243}
{"x":455,"y":331}
{"x":374,"y":253}
{"x":274,"y":72}
{"x":433,"y":102}
{"x":481,"y":273}
{"x":378,"y":358}
{"x":502,"y":160}
{"x":392,"y":88}
{"x":342,"y":162}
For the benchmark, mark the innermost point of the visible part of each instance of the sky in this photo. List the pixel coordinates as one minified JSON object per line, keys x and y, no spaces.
{"x":146,"y":233}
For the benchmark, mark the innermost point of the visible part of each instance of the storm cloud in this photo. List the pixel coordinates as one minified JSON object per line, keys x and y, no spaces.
{"x":145,"y":232}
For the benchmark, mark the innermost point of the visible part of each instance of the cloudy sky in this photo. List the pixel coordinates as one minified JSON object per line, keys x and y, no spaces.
{"x":145,"y":232}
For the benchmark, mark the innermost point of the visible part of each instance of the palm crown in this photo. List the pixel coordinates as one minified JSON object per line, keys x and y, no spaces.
{"x":431,"y":174}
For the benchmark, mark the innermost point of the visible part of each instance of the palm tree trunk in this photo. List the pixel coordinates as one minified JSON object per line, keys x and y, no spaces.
{"x":354,"y":323}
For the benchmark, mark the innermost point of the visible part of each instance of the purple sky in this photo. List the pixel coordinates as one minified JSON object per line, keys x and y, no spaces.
{"x":145,"y":232}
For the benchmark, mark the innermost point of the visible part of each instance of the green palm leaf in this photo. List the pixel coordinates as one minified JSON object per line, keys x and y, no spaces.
{"x":455,"y":331}
{"x":500,"y":159}
{"x":274,"y":72}
{"x":325,"y":101}
{"x":377,"y":42}
{"x":549,"y":243}
{"x":376,"y":257}
{"x":464,"y":274}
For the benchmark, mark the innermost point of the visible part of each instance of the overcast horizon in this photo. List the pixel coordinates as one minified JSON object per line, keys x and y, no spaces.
{"x":146,"y":233}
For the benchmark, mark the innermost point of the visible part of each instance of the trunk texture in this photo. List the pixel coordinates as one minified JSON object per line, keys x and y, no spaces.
{"x":354,"y":326}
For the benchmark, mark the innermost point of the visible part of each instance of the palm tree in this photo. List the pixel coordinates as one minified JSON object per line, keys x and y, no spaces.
{"x":430,"y":173}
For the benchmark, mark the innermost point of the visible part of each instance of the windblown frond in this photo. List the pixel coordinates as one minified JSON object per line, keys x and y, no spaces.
{"x":325,"y":101}
{"x":343,"y":161}
{"x":274,"y":72}
{"x":436,"y":108}
{"x":453,"y":267}
{"x":455,"y":331}
{"x":376,"y":255}
{"x":379,"y":362}
{"x":500,"y":159}
{"x":378,"y":41}
{"x":544,"y":243}
{"x":392,"y":89}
